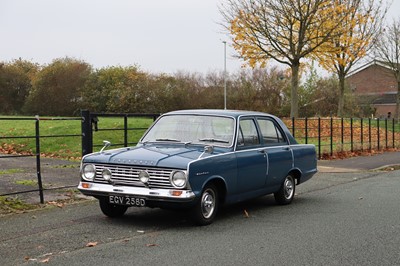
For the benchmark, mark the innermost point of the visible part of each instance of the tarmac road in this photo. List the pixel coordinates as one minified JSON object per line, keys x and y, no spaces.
{"x":335,"y":219}
{"x":58,"y":173}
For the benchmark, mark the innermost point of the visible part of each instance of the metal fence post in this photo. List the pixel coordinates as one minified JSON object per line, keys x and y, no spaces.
{"x":362,"y":134}
{"x":369,"y":134}
{"x":306,"y":129}
{"x":351,"y":135}
{"x":331,"y":136}
{"x":293,"y":127}
{"x":342,"y":133}
{"x":38,"y":167}
{"x":379,"y":134}
{"x":393,"y":121}
{"x":126,"y":130}
{"x":87,"y":133}
{"x":386,"y":133}
{"x":319,"y":137}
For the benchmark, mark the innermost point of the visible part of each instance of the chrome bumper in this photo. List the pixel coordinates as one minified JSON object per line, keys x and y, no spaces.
{"x":95,"y":189}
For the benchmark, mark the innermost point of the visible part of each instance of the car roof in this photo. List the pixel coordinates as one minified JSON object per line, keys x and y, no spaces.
{"x":220,"y":112}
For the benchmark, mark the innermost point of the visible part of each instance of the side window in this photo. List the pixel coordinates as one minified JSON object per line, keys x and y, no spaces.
{"x":248,"y":135}
{"x":270,"y":132}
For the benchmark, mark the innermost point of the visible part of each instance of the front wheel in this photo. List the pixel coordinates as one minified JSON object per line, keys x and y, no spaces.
{"x":285,"y":194}
{"x":112,"y":210}
{"x":206,"y":208}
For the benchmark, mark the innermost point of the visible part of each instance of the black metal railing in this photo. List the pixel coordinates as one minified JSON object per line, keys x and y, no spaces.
{"x":37,"y":153}
{"x":337,"y":135}
{"x":91,"y":122}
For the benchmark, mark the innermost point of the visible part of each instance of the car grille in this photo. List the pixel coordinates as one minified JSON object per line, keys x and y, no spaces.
{"x":129,"y":176}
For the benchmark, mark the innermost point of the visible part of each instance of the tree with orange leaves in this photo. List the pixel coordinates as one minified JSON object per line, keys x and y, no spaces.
{"x":282,"y":30}
{"x":352,"y":40}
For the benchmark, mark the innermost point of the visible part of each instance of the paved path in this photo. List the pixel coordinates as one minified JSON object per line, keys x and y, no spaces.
{"x":19,"y":174}
{"x":361,"y":163}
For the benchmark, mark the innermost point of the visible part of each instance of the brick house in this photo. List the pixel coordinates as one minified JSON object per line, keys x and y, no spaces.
{"x":376,"y":86}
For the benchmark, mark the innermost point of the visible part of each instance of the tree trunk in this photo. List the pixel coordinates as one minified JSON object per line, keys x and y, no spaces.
{"x":341,"y":95}
{"x":294,"y":101}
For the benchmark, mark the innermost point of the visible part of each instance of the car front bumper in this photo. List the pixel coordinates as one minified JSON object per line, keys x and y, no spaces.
{"x":101,"y":190}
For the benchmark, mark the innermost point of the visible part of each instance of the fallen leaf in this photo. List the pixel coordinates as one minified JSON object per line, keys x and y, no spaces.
{"x":151,"y":245}
{"x":55,"y":203}
{"x":91,"y":244}
{"x":45,"y":260}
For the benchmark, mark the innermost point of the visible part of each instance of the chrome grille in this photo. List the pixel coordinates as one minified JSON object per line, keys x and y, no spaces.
{"x":129,"y":175}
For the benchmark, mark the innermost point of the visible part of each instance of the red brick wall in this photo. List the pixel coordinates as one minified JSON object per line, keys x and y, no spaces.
{"x":374,"y":79}
{"x":383,"y":110}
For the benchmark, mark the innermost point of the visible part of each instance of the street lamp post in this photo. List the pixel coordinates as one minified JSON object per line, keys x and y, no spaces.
{"x":224,"y":42}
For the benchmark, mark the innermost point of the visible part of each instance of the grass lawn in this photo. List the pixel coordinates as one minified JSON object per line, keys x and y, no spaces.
{"x":62,"y":138}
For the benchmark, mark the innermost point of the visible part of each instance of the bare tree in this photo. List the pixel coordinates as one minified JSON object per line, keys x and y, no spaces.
{"x":387,"y":49}
{"x":282,"y":30}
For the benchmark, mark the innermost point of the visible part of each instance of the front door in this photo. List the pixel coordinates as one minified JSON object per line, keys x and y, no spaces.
{"x":251,"y":162}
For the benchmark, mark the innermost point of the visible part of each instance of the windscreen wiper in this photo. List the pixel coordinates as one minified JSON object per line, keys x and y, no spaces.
{"x":167,"y":139}
{"x":214,"y":140}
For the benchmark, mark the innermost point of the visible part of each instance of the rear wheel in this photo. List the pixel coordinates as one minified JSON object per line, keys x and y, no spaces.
{"x":206,"y":208}
{"x":285,"y":194}
{"x":112,"y":210}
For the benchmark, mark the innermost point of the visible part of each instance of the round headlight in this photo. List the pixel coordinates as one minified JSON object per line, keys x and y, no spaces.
{"x":178,"y":179}
{"x":144,"y":177}
{"x":106,"y":174}
{"x":88,"y":172}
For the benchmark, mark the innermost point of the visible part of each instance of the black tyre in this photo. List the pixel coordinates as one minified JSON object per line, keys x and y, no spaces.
{"x":112,"y":210}
{"x":206,"y":208}
{"x":285,"y":194}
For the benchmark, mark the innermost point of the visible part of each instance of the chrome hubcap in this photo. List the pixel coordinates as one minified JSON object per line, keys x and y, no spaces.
{"x":288,"y":188}
{"x":208,"y":203}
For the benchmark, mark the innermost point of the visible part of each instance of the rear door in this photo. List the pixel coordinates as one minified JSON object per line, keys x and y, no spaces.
{"x":277,"y":150}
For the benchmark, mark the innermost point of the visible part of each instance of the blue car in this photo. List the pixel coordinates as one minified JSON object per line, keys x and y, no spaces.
{"x":199,"y":160}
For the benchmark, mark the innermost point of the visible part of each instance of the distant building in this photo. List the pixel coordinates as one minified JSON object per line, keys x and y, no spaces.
{"x":376,"y":86}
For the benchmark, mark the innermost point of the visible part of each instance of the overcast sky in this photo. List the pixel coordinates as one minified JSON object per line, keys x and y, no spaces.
{"x":158,"y":35}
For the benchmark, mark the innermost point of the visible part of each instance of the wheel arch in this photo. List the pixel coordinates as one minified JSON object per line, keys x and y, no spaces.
{"x":221,"y":187}
{"x":296,"y":173}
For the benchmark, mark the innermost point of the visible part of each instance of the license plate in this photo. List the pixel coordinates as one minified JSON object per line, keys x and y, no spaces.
{"x":126,"y":200}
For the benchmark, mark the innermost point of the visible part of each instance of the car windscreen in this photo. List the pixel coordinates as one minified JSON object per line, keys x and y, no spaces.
{"x":204,"y":129}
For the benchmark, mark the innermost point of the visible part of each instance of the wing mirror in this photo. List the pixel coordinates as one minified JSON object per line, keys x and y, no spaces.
{"x":207,"y":149}
{"x":106,"y":144}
